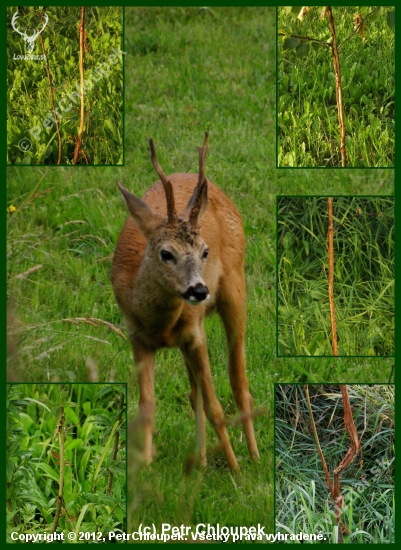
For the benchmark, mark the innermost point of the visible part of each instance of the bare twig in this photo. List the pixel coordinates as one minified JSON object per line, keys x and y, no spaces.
{"x":60,"y":497}
{"x":330,"y":246}
{"x":356,"y":30}
{"x":339,"y":91}
{"x":81,"y":70}
{"x":354,"y":449}
{"x":308,"y":38}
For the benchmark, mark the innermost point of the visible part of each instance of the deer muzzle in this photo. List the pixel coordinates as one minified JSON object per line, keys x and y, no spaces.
{"x":196,"y":294}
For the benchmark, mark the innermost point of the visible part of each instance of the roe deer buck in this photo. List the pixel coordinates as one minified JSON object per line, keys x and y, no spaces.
{"x":169,"y":271}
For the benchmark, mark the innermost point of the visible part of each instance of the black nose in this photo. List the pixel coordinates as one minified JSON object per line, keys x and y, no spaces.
{"x":196,"y":293}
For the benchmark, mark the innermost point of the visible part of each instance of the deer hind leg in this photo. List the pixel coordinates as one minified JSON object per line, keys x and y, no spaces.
{"x":197,"y":362}
{"x":145,"y":364}
{"x":232,"y":310}
{"x":200,"y":417}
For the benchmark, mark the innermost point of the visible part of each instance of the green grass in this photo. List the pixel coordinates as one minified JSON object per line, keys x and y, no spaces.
{"x":363,"y":276}
{"x":303,"y":501}
{"x":92,"y":500}
{"x":308,"y":130}
{"x":28,"y":100}
{"x":187,"y":71}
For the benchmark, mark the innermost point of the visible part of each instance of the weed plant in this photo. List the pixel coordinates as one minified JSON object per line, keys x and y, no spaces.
{"x":94,"y":495}
{"x":363,"y":279}
{"x":303,"y":501}
{"x":28,"y":101}
{"x":308,"y":131}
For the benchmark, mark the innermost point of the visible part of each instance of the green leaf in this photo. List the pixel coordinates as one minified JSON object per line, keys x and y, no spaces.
{"x":303,"y":50}
{"x":291,"y":43}
{"x":375,"y":15}
{"x":285,"y":30}
{"x":49,"y":472}
{"x":317,"y":294}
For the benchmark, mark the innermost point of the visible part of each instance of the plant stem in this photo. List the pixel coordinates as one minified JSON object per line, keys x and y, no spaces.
{"x":115,"y":444}
{"x":330,"y":232}
{"x":309,"y":38}
{"x":81,"y":70}
{"x":355,"y":447}
{"x":339,"y":91}
{"x":356,"y":30}
{"x":60,"y":498}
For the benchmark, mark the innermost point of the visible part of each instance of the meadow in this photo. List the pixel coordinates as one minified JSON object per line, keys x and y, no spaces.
{"x":66,"y":459}
{"x":303,"y":501}
{"x":308,"y":129}
{"x":187,"y":70}
{"x":363,"y":276}
{"x":34,"y":104}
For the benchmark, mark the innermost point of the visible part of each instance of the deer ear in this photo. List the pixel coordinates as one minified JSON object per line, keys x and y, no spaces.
{"x":145,"y":217}
{"x":197,"y":204}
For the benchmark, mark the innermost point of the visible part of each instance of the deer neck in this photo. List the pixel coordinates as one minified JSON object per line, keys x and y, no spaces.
{"x":152,"y":303}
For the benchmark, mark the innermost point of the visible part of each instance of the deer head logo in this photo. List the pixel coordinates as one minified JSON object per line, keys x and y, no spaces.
{"x":29,"y":40}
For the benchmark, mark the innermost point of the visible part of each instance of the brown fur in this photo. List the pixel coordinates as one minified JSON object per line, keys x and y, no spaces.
{"x":147,"y":291}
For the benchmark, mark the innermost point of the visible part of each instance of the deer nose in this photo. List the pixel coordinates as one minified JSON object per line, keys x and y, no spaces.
{"x":196,"y":293}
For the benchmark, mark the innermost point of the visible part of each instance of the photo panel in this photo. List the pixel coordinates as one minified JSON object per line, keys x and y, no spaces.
{"x":334,"y":463}
{"x":336,"y":85}
{"x":66,"y":471}
{"x":65,"y":85}
{"x":335,"y":268}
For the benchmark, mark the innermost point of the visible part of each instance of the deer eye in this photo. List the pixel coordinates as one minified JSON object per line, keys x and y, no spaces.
{"x":205,"y":254}
{"x":166,"y":256}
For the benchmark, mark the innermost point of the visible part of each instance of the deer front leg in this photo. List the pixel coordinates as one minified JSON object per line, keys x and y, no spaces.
{"x":233,"y":314}
{"x":196,"y":358}
{"x":145,"y":365}
{"x":200,"y":417}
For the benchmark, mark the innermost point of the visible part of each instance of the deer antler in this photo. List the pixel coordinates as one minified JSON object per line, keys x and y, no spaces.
{"x":201,"y":188}
{"x":46,"y":20}
{"x":168,"y":188}
{"x":13,"y":24}
{"x":29,"y":40}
